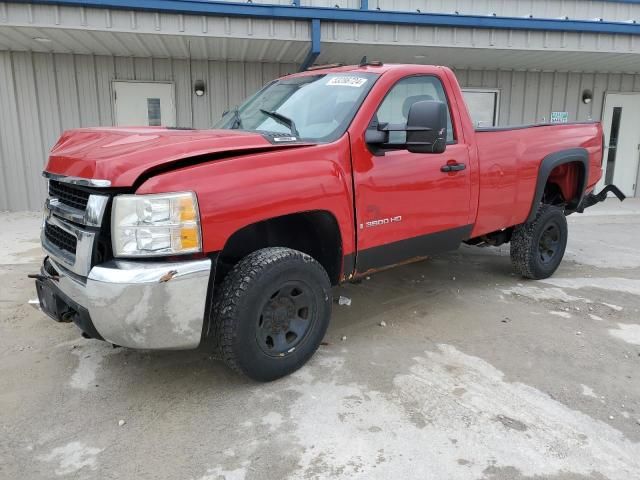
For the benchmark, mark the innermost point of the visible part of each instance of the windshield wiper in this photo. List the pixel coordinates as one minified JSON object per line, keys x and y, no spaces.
{"x":283,"y":120}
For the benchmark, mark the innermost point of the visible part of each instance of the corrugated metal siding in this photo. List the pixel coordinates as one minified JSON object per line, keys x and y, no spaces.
{"x":121,"y":33}
{"x":530,"y":97}
{"x":574,"y":9}
{"x":44,"y":94}
{"x":532,"y":42}
{"x":129,"y":33}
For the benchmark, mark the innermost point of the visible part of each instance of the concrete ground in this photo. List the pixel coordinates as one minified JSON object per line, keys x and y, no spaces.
{"x":477,"y":374}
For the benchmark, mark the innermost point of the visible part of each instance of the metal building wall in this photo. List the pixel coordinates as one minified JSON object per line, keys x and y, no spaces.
{"x":130,"y":33}
{"x":607,"y":10}
{"x":574,"y":9}
{"x":43,"y":94}
{"x":530,"y":97}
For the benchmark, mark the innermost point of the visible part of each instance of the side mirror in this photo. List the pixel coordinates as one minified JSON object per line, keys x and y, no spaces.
{"x":427,"y":127}
{"x":373,"y":136}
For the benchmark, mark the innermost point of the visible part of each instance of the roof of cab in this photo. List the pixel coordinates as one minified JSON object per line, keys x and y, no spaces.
{"x":379,"y":69}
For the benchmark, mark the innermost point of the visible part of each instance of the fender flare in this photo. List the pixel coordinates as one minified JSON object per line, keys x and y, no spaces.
{"x":550,"y":162}
{"x":335,"y":275}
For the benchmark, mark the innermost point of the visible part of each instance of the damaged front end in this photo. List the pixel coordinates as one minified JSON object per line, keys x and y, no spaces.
{"x":145,"y":303}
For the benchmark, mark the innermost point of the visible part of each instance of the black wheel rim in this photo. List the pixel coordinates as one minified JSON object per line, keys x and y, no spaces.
{"x":549,"y":244}
{"x":286,"y":318}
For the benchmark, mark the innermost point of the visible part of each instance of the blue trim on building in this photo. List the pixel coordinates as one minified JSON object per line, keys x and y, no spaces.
{"x":205,"y":7}
{"x":364,"y":4}
{"x":315,"y":48}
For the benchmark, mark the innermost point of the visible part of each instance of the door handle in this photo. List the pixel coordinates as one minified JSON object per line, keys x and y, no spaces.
{"x":453,"y":167}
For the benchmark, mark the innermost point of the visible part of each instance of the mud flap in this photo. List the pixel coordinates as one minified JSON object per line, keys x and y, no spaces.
{"x":591,"y":199}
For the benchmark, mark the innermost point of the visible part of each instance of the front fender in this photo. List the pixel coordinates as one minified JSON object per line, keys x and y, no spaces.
{"x":239,"y":191}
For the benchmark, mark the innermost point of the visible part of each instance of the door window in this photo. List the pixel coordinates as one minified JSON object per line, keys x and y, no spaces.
{"x":395,"y":107}
{"x":613,"y":144}
{"x":153,"y":112}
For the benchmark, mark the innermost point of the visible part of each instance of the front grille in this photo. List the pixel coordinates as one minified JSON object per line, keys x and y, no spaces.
{"x":60,"y":238}
{"x":49,"y":269}
{"x":68,"y":194}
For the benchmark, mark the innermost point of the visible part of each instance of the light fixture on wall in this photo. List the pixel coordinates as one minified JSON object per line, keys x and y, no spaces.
{"x":587,"y":97}
{"x":199,"y":88}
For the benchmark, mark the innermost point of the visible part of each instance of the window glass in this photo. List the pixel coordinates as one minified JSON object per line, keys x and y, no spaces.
{"x":395,"y":106}
{"x":153,"y":112}
{"x":319,"y":107}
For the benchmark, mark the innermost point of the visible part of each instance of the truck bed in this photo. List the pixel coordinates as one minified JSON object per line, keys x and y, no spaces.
{"x":509,"y":161}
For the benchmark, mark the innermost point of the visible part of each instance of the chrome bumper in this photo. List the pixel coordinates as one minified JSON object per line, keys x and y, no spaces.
{"x":142,"y":304}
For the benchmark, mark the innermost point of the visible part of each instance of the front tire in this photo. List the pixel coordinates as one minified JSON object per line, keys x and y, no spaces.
{"x":271,"y":312}
{"x":537,"y":247}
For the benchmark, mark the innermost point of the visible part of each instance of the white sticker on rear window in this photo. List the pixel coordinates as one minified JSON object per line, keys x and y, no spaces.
{"x":347,"y":81}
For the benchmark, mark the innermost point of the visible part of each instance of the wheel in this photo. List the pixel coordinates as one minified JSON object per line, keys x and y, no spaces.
{"x":271,"y":312}
{"x":537,"y":248}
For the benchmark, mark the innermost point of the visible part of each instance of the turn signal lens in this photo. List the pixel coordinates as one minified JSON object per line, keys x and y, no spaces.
{"x":189,"y":237}
{"x":155,"y":225}
{"x":188,"y":211}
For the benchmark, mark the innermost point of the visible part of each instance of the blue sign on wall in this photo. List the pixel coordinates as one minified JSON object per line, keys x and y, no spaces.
{"x":559,"y":117}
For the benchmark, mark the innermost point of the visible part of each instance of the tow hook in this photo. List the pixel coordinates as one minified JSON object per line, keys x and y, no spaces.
{"x":591,"y":199}
{"x":42,"y":278}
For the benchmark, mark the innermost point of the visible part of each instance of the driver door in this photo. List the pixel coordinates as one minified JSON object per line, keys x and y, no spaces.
{"x":406,"y":206}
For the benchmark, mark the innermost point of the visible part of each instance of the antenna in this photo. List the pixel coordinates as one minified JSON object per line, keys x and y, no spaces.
{"x":363,"y":62}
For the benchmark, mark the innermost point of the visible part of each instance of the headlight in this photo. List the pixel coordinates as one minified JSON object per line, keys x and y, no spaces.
{"x":155,"y":225}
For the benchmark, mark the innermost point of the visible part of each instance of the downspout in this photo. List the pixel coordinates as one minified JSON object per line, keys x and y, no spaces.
{"x":314,"y":49}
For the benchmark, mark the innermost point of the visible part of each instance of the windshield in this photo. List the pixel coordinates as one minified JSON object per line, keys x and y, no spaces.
{"x":316,"y":108}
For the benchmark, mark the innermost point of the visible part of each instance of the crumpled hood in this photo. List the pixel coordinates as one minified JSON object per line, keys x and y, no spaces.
{"x":121,"y":155}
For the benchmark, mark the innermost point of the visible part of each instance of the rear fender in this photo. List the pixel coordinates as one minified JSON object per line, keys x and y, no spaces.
{"x":548,"y":164}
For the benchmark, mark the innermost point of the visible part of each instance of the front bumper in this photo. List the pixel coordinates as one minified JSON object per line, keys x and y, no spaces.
{"x":135,"y":304}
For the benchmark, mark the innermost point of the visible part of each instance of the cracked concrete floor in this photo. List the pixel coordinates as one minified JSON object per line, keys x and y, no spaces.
{"x":477,"y":374}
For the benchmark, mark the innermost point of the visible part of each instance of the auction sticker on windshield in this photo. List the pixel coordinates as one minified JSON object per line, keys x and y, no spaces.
{"x":347,"y":81}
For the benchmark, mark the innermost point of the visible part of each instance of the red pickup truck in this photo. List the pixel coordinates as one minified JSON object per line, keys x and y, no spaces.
{"x":161,"y":238}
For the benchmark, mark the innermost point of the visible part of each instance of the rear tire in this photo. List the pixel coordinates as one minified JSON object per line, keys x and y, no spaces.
{"x":537,"y":247}
{"x":271,"y":312}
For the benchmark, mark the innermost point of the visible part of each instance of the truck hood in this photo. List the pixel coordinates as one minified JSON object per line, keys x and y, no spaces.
{"x":122,"y":155}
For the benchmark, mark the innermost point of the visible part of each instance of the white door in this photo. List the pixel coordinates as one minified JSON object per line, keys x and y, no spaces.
{"x":621,"y":124}
{"x":482,"y":105}
{"x":144,"y":104}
